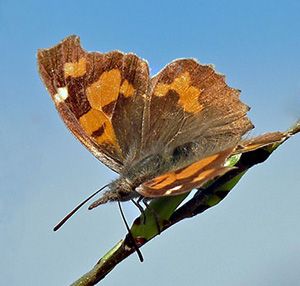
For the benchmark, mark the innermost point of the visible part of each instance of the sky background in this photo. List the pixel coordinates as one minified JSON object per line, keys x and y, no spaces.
{"x":251,"y":238}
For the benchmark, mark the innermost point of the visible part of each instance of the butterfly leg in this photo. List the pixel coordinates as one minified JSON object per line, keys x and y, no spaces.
{"x":154,"y":213}
{"x":130,"y":234}
{"x":138,"y":205}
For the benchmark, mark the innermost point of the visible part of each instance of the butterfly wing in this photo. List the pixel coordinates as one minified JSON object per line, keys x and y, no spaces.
{"x":190,"y":105}
{"x":188,"y":178}
{"x":100,"y":97}
{"x":261,"y":141}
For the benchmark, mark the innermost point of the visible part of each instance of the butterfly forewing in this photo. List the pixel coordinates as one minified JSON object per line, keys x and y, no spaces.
{"x":99,"y":96}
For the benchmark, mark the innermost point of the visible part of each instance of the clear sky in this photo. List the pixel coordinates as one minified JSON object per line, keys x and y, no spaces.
{"x":251,"y":238}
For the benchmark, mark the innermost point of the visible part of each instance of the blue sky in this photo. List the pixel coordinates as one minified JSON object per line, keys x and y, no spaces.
{"x":251,"y":238}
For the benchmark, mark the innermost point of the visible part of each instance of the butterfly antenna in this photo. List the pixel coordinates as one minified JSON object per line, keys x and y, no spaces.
{"x":130,"y":234}
{"x":58,"y":226}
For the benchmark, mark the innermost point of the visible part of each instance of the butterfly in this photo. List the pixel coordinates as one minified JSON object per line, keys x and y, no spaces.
{"x":164,"y":135}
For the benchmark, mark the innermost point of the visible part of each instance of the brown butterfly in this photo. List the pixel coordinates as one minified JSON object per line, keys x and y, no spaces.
{"x":164,"y":135}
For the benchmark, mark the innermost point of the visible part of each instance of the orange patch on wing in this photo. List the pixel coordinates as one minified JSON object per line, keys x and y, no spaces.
{"x":105,"y":90}
{"x":75,"y":69}
{"x":163,"y":180}
{"x":203,"y":175}
{"x":194,"y":168}
{"x":94,"y":120}
{"x":189,"y":95}
{"x":188,"y":172}
{"x":127,"y":89}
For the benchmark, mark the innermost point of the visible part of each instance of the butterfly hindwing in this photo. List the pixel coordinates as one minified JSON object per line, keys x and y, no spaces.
{"x":186,"y":179}
{"x":189,"y":102}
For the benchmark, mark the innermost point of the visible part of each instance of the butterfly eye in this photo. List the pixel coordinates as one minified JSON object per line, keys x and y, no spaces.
{"x":184,"y":152}
{"x":180,"y":151}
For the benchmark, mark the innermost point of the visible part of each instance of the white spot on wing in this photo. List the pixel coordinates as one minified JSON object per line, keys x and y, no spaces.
{"x":168,"y":192}
{"x":62,"y":94}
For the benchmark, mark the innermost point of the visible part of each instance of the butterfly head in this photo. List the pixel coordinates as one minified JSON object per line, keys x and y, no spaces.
{"x":119,"y":190}
{"x":133,"y":175}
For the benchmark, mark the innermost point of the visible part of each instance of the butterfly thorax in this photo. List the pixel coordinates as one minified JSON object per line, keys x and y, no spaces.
{"x":136,"y":173}
{"x":123,"y":188}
